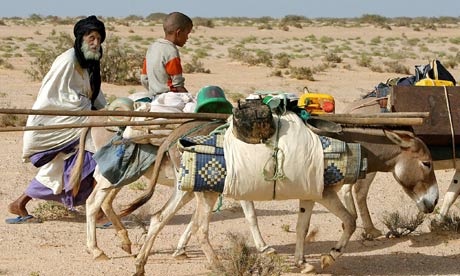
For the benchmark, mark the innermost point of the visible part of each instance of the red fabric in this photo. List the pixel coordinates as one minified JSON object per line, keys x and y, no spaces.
{"x":173,"y":67}
{"x":144,"y":67}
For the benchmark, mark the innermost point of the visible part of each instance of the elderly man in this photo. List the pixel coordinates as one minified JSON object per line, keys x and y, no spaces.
{"x":73,"y":83}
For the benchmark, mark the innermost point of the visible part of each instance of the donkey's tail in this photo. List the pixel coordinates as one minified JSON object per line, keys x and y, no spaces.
{"x":152,"y":182}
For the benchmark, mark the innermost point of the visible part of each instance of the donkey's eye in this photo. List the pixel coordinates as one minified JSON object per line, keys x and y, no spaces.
{"x":427,"y":164}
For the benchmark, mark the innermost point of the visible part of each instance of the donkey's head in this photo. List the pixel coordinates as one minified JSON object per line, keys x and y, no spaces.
{"x":413,"y":169}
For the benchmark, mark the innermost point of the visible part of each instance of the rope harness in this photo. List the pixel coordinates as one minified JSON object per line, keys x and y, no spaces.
{"x":454,"y":161}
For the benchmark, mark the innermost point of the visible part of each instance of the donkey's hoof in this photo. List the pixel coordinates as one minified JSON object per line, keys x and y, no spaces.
{"x":308,"y":269}
{"x":372,"y":233}
{"x":326,"y":260}
{"x":100,"y":256}
{"x":126,"y":248}
{"x":180,"y":254}
{"x":268,"y":250}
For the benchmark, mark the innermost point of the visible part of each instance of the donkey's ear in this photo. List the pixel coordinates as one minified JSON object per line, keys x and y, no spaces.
{"x":402,"y":138}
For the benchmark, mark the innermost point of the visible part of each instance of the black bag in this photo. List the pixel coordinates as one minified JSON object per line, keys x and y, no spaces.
{"x":435,"y":70}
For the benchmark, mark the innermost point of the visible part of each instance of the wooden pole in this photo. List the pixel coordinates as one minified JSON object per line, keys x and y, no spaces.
{"x":333,"y":117}
{"x":166,"y":115}
{"x":94,"y":124}
{"x":377,"y":121}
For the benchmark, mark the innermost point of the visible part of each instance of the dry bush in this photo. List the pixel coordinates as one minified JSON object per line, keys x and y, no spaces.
{"x":396,"y":67}
{"x":401,"y":225}
{"x":205,"y":22}
{"x":43,"y":58}
{"x":364,"y":61}
{"x":12,"y":120}
{"x":121,"y":63}
{"x":450,"y":223}
{"x":4,"y":63}
{"x":283,"y":60}
{"x":250,"y":56}
{"x":195,"y":66}
{"x":301,"y":73}
{"x":332,"y":57}
{"x":50,"y":210}
{"x":240,"y":260}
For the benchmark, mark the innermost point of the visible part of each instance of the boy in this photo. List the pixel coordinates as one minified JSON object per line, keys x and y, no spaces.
{"x":163,"y":64}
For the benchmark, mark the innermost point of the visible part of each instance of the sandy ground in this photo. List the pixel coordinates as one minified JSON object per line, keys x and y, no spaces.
{"x":57,"y":247}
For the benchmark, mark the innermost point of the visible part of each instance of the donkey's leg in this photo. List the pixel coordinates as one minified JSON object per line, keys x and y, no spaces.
{"x":332,"y":202}
{"x":107,"y":207}
{"x":184,"y":239}
{"x":158,"y":221}
{"x":347,"y":192}
{"x":205,"y":202}
{"x":362,"y":189}
{"x":251,"y":217}
{"x":93,"y":205}
{"x":451,"y":195}
{"x":303,"y":224}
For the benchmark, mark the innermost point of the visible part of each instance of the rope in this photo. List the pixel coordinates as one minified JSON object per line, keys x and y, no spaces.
{"x":451,"y":127}
{"x":219,"y":204}
{"x":278,"y":156}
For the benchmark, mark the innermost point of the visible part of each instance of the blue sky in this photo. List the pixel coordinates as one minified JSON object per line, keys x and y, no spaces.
{"x":233,"y":8}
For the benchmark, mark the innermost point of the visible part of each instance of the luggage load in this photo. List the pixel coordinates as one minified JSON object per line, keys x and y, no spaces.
{"x":316,"y":103}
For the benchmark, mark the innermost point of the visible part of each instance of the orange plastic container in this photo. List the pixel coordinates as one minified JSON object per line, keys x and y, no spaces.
{"x":316,"y":103}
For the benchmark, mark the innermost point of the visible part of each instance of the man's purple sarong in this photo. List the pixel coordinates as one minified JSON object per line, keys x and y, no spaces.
{"x":40,"y":191}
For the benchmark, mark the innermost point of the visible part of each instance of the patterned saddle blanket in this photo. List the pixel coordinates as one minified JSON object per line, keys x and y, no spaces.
{"x":203,"y":166}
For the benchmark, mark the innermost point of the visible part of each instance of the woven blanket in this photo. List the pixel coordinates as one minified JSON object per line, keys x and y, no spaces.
{"x":203,"y":165}
{"x":343,"y":162}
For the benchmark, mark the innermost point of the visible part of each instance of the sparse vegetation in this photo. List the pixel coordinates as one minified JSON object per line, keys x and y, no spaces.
{"x":195,"y":66}
{"x":401,"y":225}
{"x":50,"y":210}
{"x":239,"y":260}
{"x":451,"y":223}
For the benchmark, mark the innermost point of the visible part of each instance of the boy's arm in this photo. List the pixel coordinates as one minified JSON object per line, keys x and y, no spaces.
{"x":144,"y":78}
{"x":174,"y":70}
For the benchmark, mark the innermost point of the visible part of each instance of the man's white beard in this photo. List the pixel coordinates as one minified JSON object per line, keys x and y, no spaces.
{"x":90,"y":55}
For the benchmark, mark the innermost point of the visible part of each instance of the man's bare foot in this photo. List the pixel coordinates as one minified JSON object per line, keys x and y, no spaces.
{"x":18,"y":207}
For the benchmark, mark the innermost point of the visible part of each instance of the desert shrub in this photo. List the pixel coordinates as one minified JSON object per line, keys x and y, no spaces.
{"x":401,"y":225}
{"x":364,"y":60}
{"x":12,"y":120}
{"x":4,"y":63}
{"x":239,"y":260}
{"x":276,"y":73}
{"x":50,"y":210}
{"x":332,"y":57}
{"x":294,"y":20}
{"x":251,"y":56}
{"x":373,"y":19}
{"x":44,"y":57}
{"x":302,"y":73}
{"x":2,"y":23}
{"x":195,"y":66}
{"x":156,"y":16}
{"x":396,"y":67}
{"x":121,"y":64}
{"x":283,"y":60}
{"x":205,"y":22}
{"x":234,"y":96}
{"x":450,"y":223}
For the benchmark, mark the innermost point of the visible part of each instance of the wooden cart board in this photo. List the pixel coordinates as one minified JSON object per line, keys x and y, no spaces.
{"x":436,"y":129}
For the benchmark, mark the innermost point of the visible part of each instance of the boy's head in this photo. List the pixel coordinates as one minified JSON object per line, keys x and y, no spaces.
{"x":177,"y":27}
